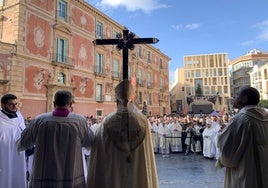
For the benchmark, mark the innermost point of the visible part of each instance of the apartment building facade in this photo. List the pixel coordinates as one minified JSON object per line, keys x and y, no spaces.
{"x":259,"y":80}
{"x":206,"y":83}
{"x":240,"y":68}
{"x":48,"y":45}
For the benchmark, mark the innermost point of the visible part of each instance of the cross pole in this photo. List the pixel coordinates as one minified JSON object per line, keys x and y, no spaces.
{"x":125,"y":42}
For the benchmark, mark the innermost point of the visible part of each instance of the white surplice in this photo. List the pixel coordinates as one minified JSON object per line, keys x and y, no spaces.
{"x":175,"y":142}
{"x":12,"y":163}
{"x":209,"y":148}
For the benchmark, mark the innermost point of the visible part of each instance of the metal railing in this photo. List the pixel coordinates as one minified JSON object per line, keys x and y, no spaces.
{"x":61,"y":59}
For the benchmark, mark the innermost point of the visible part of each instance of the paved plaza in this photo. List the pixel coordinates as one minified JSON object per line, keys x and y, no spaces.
{"x":188,"y":171}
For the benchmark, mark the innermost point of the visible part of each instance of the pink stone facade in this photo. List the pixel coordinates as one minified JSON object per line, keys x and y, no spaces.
{"x":31,"y":59}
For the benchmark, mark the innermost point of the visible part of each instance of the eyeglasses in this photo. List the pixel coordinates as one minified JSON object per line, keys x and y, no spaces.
{"x":12,"y":104}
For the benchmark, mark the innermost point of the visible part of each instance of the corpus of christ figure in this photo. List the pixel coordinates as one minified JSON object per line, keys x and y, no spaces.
{"x":125,"y":42}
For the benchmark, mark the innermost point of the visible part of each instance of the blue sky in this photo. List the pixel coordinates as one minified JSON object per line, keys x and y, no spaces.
{"x":190,"y":27}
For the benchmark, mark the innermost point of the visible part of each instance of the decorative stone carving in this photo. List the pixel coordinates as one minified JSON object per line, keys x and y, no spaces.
{"x":83,"y":52}
{"x":83,"y":20}
{"x":39,"y":79}
{"x":39,"y":37}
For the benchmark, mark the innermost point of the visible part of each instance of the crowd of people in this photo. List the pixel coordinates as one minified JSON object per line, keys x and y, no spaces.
{"x":187,"y":134}
{"x":64,"y":149}
{"x":196,"y":134}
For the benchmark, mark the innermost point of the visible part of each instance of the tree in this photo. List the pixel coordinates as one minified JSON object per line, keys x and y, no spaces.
{"x":198,"y":91}
{"x":263,"y":103}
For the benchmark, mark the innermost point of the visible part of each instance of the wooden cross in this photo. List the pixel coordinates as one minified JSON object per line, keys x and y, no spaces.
{"x":125,"y":42}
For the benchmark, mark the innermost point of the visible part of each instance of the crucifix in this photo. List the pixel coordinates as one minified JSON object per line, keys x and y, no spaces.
{"x":125,"y":42}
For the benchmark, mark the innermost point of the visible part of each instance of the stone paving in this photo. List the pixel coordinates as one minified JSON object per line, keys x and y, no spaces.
{"x":188,"y":171}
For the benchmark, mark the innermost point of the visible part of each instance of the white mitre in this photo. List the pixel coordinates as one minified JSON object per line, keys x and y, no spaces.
{"x":124,"y":90}
{"x":209,"y":121}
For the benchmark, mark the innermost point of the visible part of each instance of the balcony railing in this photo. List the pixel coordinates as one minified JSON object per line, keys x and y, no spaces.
{"x":3,"y":81}
{"x":100,"y":98}
{"x":116,"y":75}
{"x":99,"y":71}
{"x":140,"y":82}
{"x":150,"y":85}
{"x":162,"y":88}
{"x":62,"y":60}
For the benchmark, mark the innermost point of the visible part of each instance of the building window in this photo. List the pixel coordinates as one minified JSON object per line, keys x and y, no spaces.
{"x":207,"y":74}
{"x":139,"y":52}
{"x":140,"y":98}
{"x":220,"y":72}
{"x":99,"y":113}
{"x":139,"y":76}
{"x":61,"y":78}
{"x":116,"y":35}
{"x":99,"y":96}
{"x":62,"y":10}
{"x":161,"y":83}
{"x":150,"y":99}
{"x":149,"y":80}
{"x":161,"y":64}
{"x":99,"y":63}
{"x":149,"y":57}
{"x":198,"y":74}
{"x":61,"y":50}
{"x":99,"y":30}
{"x":116,"y":68}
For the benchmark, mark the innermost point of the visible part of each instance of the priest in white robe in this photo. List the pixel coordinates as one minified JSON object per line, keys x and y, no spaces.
{"x":122,"y":154}
{"x":164,"y":138}
{"x":12,"y":162}
{"x":209,"y":148}
{"x":175,"y":141}
{"x":154,"y":133}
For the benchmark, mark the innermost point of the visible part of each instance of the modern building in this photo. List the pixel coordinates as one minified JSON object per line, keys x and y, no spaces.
{"x":239,"y":68}
{"x":259,"y":80}
{"x":177,"y":95}
{"x":48,"y":45}
{"x":206,"y":83}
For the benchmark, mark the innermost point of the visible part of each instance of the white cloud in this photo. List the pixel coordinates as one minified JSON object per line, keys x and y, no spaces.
{"x":133,"y":5}
{"x":191,"y":26}
{"x":247,"y":43}
{"x":177,"y":27}
{"x":263,"y":35}
{"x":263,"y":26}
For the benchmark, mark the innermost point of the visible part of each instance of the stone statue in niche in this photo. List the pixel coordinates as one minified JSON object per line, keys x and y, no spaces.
{"x":83,"y":85}
{"x":39,"y":79}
